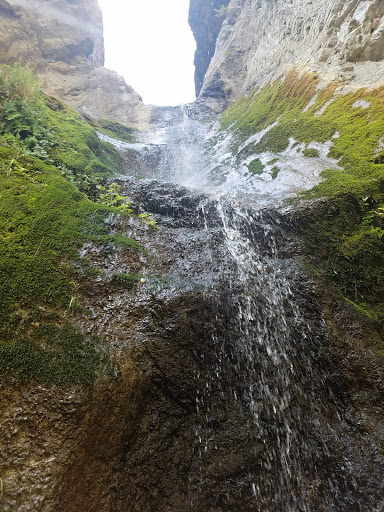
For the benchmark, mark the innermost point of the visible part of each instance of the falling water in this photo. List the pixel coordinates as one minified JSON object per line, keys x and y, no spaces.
{"x":269,"y":387}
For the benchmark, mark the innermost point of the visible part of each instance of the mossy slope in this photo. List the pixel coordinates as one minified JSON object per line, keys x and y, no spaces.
{"x":346,"y":245}
{"x":48,"y":153}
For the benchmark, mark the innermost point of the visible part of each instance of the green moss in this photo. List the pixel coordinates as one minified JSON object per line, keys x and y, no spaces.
{"x":264,"y":107}
{"x":118,"y":240}
{"x":68,"y":356}
{"x":311,"y":153}
{"x":256,"y":167}
{"x":127,"y":278}
{"x":275,"y":171}
{"x":347,"y":247}
{"x":78,"y":147}
{"x":112,"y":129}
{"x":273,"y":161}
{"x":358,"y":129}
{"x":44,"y":219}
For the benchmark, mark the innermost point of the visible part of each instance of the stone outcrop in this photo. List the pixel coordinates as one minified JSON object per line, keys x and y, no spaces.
{"x":63,"y":41}
{"x":38,"y":33}
{"x":260,"y":40}
{"x":101,"y":93}
{"x":205,"y":18}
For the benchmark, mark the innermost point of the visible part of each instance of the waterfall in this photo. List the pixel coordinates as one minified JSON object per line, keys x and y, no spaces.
{"x":268,"y":432}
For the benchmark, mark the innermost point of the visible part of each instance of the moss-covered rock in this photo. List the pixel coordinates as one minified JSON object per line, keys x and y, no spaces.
{"x":311,"y":153}
{"x":45,"y":218}
{"x":112,"y":129}
{"x":256,"y":167}
{"x":346,"y":245}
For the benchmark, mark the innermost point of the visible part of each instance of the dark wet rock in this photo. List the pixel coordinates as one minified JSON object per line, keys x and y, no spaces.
{"x":226,"y":422}
{"x":171,"y":204}
{"x":230,"y":392}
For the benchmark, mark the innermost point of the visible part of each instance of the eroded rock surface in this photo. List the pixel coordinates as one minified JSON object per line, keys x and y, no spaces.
{"x":101,"y":93}
{"x":39,"y":33}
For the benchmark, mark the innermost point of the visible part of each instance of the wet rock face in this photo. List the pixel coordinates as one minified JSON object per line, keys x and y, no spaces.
{"x":261,"y":40}
{"x":246,"y":400}
{"x":231,"y":394}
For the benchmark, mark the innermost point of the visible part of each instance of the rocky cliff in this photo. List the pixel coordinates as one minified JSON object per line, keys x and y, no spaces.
{"x":260,"y":40}
{"x":63,"y":42}
{"x":41,"y":34}
{"x":205,"y":19}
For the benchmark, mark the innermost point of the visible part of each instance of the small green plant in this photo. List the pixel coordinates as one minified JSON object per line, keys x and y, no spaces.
{"x":113,"y":198}
{"x":149,"y":220}
{"x":23,"y":111}
{"x":256,"y":167}
{"x":275,"y":171}
{"x":311,"y":153}
{"x":90,"y":185}
{"x":74,"y":304}
{"x":221,"y":11}
{"x":19,"y":81}
{"x":373,"y":215}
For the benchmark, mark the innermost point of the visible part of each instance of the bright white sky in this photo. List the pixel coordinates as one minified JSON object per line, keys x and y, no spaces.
{"x":150,"y":43}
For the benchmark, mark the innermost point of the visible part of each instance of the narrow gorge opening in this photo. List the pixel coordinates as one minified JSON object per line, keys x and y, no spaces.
{"x":151,"y":44}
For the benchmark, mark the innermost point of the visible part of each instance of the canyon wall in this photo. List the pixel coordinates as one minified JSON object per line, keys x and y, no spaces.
{"x":43,"y":33}
{"x":229,"y":372}
{"x":260,"y":40}
{"x":63,"y":41}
